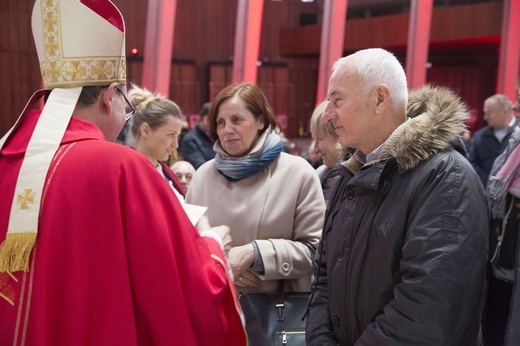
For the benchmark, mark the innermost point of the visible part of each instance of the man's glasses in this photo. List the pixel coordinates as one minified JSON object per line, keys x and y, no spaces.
{"x":130,"y":113}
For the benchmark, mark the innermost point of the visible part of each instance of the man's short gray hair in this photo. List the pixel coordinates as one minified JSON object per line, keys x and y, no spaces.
{"x":376,"y":66}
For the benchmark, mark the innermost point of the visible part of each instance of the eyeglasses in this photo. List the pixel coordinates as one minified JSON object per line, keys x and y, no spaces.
{"x":132,"y":109}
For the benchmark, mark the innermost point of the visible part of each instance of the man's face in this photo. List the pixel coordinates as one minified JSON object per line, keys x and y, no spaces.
{"x":184,"y":171}
{"x":348,"y":109}
{"x":204,"y":123}
{"x":113,"y":124}
{"x":495,"y":116}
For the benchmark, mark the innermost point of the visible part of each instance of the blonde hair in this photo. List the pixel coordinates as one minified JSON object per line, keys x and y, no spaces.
{"x":317,"y":126}
{"x":152,"y":109}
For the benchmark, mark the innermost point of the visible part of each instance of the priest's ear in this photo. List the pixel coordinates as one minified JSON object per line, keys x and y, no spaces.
{"x":108,"y":97}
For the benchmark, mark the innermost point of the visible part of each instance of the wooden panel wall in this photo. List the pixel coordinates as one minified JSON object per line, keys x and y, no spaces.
{"x":184,"y":87}
{"x":20,"y":72}
{"x":473,"y":77}
{"x":448,"y":23}
{"x":304,"y":81}
{"x":204,"y":33}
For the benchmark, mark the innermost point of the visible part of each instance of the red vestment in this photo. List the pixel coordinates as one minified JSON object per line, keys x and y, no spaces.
{"x":116,"y":261}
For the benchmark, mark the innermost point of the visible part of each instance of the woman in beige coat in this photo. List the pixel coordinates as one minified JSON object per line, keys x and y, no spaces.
{"x":272,"y":201}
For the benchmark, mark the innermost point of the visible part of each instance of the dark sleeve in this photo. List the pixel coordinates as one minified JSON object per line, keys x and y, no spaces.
{"x":475,"y":159}
{"x":319,"y":330}
{"x":192,"y":153}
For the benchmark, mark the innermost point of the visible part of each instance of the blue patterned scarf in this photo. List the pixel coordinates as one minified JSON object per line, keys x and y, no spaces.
{"x":237,"y":168}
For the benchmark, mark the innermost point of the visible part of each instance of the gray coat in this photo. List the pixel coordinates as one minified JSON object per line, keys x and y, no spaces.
{"x":279,"y":207}
{"x":403,"y":254}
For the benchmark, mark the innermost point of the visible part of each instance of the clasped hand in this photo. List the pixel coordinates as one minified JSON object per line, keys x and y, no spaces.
{"x":241,"y":258}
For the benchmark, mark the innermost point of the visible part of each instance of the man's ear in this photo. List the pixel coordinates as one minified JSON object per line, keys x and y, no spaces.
{"x":108,"y":97}
{"x":382,"y":98}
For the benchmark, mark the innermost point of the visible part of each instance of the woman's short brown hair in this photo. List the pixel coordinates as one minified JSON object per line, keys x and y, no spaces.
{"x":255,"y":100}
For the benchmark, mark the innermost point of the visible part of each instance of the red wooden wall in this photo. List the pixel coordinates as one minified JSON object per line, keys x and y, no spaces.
{"x":463,"y":52}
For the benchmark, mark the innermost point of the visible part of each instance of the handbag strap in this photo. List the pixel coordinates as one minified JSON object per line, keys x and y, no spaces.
{"x":281,"y":285}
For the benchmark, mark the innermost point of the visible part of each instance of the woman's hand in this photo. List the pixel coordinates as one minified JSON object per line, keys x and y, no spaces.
{"x":249,"y":278}
{"x":241,"y":258}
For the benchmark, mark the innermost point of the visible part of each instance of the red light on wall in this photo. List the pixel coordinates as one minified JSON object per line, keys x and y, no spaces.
{"x":134,"y":51}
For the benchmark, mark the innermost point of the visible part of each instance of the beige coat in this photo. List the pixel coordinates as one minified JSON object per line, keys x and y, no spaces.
{"x":277,"y":207}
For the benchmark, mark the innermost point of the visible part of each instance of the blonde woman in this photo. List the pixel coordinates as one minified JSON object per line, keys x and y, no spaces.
{"x":157,"y":123}
{"x":326,"y":142}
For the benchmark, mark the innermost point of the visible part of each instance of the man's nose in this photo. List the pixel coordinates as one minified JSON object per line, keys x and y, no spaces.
{"x":327,"y":116}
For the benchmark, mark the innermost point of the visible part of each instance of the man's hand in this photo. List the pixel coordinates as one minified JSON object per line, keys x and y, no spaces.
{"x":224,"y":234}
{"x":203,"y":224}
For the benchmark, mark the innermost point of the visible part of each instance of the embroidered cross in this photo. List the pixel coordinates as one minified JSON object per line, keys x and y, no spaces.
{"x":26,"y":199}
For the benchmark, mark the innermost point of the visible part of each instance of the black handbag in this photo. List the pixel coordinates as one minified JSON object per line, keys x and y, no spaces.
{"x":275,"y":318}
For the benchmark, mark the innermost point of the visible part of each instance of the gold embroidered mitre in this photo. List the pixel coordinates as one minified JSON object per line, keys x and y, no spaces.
{"x":77,"y":46}
{"x":79,"y":43}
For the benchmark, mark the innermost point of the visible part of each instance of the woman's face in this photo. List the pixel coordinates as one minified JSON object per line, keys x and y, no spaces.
{"x":160,"y":143}
{"x":237,"y":128}
{"x":327,"y":148}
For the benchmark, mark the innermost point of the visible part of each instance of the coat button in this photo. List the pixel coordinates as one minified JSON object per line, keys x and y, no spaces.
{"x":350,"y":194}
{"x":336,"y":322}
{"x":285,"y":267}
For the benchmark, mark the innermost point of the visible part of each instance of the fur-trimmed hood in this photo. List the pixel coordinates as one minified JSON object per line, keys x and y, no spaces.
{"x":436,"y":119}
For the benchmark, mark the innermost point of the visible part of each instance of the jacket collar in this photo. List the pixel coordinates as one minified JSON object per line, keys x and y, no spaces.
{"x":436,"y":117}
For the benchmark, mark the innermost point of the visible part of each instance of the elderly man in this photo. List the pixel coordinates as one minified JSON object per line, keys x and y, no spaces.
{"x":490,"y":141}
{"x":402,"y":259}
{"x":184,"y":171}
{"x":94,"y":250}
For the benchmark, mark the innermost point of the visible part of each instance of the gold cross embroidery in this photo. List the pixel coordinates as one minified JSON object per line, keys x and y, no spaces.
{"x":26,"y":199}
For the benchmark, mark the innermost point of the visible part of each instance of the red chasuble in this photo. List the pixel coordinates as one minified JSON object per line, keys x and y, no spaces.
{"x":117,"y":261}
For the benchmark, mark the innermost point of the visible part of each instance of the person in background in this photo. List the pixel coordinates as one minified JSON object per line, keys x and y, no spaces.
{"x":402,"y":260}
{"x":157,"y":123}
{"x":488,"y":142}
{"x":502,"y":312}
{"x":287,"y":145}
{"x":184,"y":172}
{"x":94,"y":249}
{"x":331,"y":152}
{"x":313,"y":155}
{"x":197,"y":145}
{"x":471,"y":123}
{"x":272,"y":201}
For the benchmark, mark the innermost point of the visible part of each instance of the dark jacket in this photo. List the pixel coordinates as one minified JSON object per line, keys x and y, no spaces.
{"x":485,"y":148}
{"x":197,"y":147}
{"x":403,"y":256}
